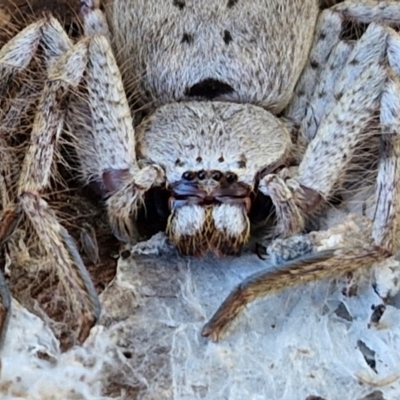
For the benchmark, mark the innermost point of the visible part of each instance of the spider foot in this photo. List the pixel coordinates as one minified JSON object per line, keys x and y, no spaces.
{"x":156,"y":245}
{"x":86,"y":322}
{"x":89,"y":5}
{"x":127,"y":191}
{"x":5,"y":305}
{"x":9,"y":221}
{"x":88,"y":243}
{"x":94,"y":20}
{"x":227,"y":312}
{"x":281,"y":250}
{"x":387,"y":277}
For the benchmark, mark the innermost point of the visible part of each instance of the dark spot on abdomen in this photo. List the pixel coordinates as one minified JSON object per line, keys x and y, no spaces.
{"x":209,"y":89}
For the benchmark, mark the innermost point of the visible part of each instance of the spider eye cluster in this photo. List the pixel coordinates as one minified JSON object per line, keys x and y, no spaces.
{"x":230,"y":177}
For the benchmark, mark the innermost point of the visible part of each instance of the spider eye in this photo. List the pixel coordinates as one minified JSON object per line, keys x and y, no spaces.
{"x":216,"y":175}
{"x":231,"y":177}
{"x":201,"y":175}
{"x":188,"y":176}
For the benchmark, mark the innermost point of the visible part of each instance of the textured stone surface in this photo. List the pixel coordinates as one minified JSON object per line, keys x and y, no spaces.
{"x":321,"y":339}
{"x":308,"y":341}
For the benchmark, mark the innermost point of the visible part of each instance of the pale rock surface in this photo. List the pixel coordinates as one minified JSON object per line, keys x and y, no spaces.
{"x":303,"y":342}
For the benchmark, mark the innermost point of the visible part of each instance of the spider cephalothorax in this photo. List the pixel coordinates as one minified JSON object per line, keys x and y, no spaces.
{"x":219,"y":84}
{"x":213,"y":160}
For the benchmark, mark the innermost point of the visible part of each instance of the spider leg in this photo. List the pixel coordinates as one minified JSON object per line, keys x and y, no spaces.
{"x":65,"y":67}
{"x":290,"y":217}
{"x":105,"y":138}
{"x":322,"y":99}
{"x":5,"y":306}
{"x":293,"y":273}
{"x":18,"y":52}
{"x":375,"y":85}
{"x":315,"y":91}
{"x":338,"y":135}
{"x":10,"y":216}
{"x":9,"y":220}
{"x":387,"y":211}
{"x":328,"y":30}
